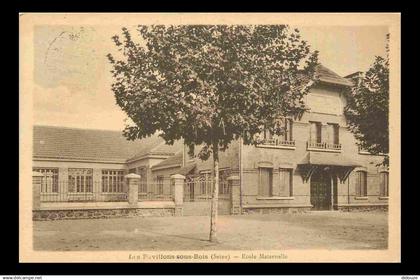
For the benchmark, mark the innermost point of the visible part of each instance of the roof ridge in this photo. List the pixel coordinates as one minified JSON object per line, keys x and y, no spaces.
{"x":76,"y":128}
{"x":160,"y":144}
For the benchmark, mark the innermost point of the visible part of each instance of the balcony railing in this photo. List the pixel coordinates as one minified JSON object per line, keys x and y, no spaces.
{"x":323,"y":146}
{"x":278,"y":142}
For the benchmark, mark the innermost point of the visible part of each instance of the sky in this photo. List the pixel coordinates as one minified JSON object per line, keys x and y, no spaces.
{"x":73,"y":80}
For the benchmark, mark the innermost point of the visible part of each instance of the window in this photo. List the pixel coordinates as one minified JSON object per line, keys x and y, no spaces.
{"x":205,"y":183}
{"x":285,"y":184}
{"x":159,"y":185}
{"x":224,"y":187}
{"x":316,"y":132}
{"x":361,"y":183}
{"x":334,"y":133}
{"x":143,"y":180}
{"x":80,"y":180}
{"x":288,"y":130}
{"x":50,"y":179}
{"x":265,"y":182}
{"x":286,"y":139}
{"x":112,"y":181}
{"x":384,"y":190}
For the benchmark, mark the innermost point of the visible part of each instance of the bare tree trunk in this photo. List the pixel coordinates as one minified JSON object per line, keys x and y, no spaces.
{"x":215,"y":196}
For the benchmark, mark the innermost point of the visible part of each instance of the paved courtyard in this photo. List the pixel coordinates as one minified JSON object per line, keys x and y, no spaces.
{"x":313,"y":230}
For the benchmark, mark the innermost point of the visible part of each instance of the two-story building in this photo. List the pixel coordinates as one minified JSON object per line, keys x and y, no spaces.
{"x":316,"y":164}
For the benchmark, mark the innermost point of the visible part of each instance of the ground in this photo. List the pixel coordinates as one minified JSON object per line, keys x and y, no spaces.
{"x":312,"y":230}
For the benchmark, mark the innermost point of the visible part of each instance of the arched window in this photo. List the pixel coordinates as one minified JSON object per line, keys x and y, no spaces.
{"x":361,"y":183}
{"x":383,"y":187}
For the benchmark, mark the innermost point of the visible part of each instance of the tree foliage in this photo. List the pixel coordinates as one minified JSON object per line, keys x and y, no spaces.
{"x":211,"y":84}
{"x":367,"y":109}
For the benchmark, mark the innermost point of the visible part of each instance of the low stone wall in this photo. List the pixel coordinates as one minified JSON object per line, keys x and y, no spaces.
{"x":71,"y":214}
{"x":363,"y":208}
{"x":202,"y":208}
{"x":275,"y":210}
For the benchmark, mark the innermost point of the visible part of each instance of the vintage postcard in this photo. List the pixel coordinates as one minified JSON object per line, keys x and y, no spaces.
{"x":200,"y":137}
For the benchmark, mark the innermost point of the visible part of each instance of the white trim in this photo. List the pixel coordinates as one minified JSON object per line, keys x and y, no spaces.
{"x":277,"y":147}
{"x":76,"y":160}
{"x":165,"y":167}
{"x":323,"y":150}
{"x":149,"y":156}
{"x":361,"y":197}
{"x":361,"y":204}
{"x":383,"y":198}
{"x":276,"y":206}
{"x":275,"y":198}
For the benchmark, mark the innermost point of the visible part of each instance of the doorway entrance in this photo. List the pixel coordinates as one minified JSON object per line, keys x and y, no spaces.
{"x":321,"y":190}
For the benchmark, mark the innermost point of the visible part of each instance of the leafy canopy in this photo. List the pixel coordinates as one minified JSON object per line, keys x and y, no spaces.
{"x":367,"y":109}
{"x":211,"y":84}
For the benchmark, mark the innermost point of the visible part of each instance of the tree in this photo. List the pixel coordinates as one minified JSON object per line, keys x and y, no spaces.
{"x":211,"y":84}
{"x":367,"y":109}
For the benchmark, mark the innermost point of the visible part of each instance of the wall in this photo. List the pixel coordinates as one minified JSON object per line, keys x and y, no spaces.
{"x":166,"y":172}
{"x":47,"y":215}
{"x":254,"y":157}
{"x":63,"y":167}
{"x":202,"y":208}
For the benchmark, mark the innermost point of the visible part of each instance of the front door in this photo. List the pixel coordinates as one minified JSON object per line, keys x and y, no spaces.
{"x":321,"y":190}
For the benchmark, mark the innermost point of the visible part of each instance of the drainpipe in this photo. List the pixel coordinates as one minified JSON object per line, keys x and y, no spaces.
{"x":332,"y":192}
{"x":240,"y":172}
{"x":183,"y":152}
{"x":348,"y":190}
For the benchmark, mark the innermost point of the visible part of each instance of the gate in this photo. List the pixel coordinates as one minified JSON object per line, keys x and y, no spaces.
{"x":198,"y":194}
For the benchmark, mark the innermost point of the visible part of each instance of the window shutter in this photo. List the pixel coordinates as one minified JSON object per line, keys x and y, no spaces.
{"x":318,"y":132}
{"x":384,"y":191}
{"x":358,"y":191}
{"x":329,"y":134}
{"x":285,"y":180}
{"x":364,"y":183}
{"x":313,"y":133}
{"x":265,"y":182}
{"x":290,"y":130}
{"x":336,"y":134}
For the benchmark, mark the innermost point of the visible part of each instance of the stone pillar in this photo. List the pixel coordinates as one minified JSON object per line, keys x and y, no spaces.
{"x":63,"y":183}
{"x":234,"y":183}
{"x":133,"y":181}
{"x":178,"y":183}
{"x":36,"y":190}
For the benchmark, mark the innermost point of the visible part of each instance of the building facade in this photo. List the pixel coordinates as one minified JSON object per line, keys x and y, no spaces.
{"x":315,"y":165}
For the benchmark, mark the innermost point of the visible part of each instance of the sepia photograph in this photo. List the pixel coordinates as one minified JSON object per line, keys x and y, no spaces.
{"x":209,"y":137}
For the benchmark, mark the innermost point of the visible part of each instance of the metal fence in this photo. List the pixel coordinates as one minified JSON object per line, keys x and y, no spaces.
{"x":102,"y":191}
{"x":198,"y":188}
{"x":161,"y":189}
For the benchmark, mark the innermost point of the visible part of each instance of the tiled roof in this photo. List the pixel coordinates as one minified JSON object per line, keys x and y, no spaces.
{"x":90,"y":144}
{"x":159,"y":149}
{"x":173,"y":160}
{"x":185,"y":170}
{"x":328,"y":76}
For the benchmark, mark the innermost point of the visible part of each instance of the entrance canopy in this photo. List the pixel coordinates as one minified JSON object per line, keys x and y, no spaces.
{"x":335,"y":163}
